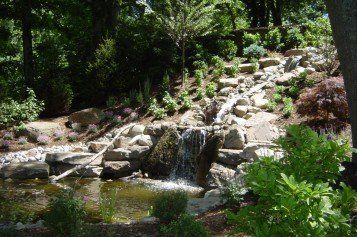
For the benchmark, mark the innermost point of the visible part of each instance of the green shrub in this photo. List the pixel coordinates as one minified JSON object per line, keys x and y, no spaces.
{"x":296,"y":84}
{"x":280,"y":89}
{"x":153,"y":105}
{"x":169,"y":103}
{"x":249,"y":39}
{"x":11,"y":232}
{"x":277,"y":97}
{"x":201,"y":65}
{"x":288,"y":106}
{"x":234,"y":69}
{"x":271,"y":106}
{"x":159,"y":113}
{"x":227,"y":49}
{"x":147,"y":90}
{"x":254,"y":52}
{"x":273,"y":39}
{"x":107,"y":205}
{"x":165,"y":84}
{"x":111,"y":101}
{"x":294,"y":196}
{"x":294,"y":38}
{"x":199,"y":76}
{"x":217,"y":62}
{"x":185,"y":226}
{"x":13,"y":112}
{"x":185,"y":100}
{"x":168,"y":206}
{"x":318,"y":32}
{"x":139,"y":98}
{"x":58,"y":99}
{"x":65,"y":216}
{"x":199,"y":93}
{"x":233,"y":193}
{"x":211,"y":89}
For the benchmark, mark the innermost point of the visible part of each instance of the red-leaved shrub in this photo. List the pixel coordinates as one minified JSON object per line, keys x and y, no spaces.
{"x":325,"y":101}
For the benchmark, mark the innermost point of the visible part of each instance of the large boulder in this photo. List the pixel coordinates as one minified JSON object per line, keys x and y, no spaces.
{"x":284,"y":79}
{"x":27,"y":170}
{"x":90,"y":171}
{"x":295,"y":52}
{"x":247,"y":67}
{"x":227,"y":82}
{"x":87,"y":116}
{"x":136,"y":130}
{"x":261,"y":117}
{"x":154,"y":130}
{"x":253,"y":151}
{"x":230,"y":157}
{"x":207,"y":157}
{"x":119,"y":169}
{"x":161,"y":159}
{"x":265,"y":132}
{"x":234,"y":138}
{"x":219,"y":175}
{"x":268,"y":62}
{"x":240,"y":110}
{"x":34,"y":129}
{"x":72,"y":158}
{"x":98,"y":146}
{"x":129,"y":153}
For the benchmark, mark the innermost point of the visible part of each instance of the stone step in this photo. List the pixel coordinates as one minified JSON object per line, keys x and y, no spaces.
{"x":120,"y":169}
{"x":26,"y":170}
{"x":129,"y":153}
{"x":230,"y":157}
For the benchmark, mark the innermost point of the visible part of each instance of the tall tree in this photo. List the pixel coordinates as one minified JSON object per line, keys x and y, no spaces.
{"x":187,"y":20}
{"x":343,"y":18}
{"x":25,"y":9}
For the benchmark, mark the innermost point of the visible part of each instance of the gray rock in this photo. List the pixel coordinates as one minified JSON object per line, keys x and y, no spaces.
{"x":96,"y":147}
{"x":258,"y":75}
{"x":28,"y":170}
{"x":34,"y":129}
{"x":261,"y":117}
{"x":87,"y":116}
{"x":253,"y":152}
{"x":234,"y":138}
{"x":129,"y":153}
{"x":240,"y":110}
{"x":90,"y":171}
{"x":219,"y":175}
{"x":262,"y":132}
{"x":227,"y":82}
{"x":268,"y":62}
{"x":72,"y":158}
{"x":243,"y":101}
{"x":154,"y":130}
{"x":136,"y":130}
{"x":284,"y":79}
{"x":230,"y":157}
{"x":120,"y":169}
{"x":295,"y":52}
{"x":122,"y":142}
{"x":247,"y":67}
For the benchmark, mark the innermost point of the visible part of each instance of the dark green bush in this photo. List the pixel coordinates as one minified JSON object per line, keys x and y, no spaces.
{"x":13,"y":112}
{"x":185,"y":226}
{"x":227,"y":49}
{"x":65,"y":216}
{"x":249,"y":39}
{"x":11,"y":232}
{"x":254,"y":52}
{"x":294,"y":196}
{"x":273,"y":40}
{"x":168,"y":206}
{"x":294,"y":38}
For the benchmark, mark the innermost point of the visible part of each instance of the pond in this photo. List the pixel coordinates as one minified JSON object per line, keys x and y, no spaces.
{"x":27,"y":200}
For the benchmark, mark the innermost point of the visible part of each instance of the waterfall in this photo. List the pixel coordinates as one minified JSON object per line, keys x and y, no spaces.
{"x":190,"y":145}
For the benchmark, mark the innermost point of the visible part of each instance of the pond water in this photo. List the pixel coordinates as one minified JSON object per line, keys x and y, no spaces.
{"x":27,"y":200}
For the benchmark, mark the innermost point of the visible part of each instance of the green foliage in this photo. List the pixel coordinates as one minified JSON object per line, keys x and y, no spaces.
{"x":318,"y":32}
{"x":170,"y":103}
{"x":273,"y":40}
{"x":295,"y":198}
{"x":271,"y":106}
{"x":201,"y":65}
{"x":199,"y":93}
{"x":277,"y":98}
{"x":155,"y":109}
{"x":14,"y":212}
{"x":185,"y":100}
{"x":185,"y":226}
{"x":165,"y":84}
{"x":296,"y":84}
{"x":233,"y":193}
{"x":159,"y":113}
{"x":234,"y":69}
{"x":249,"y":39}
{"x":288,"y":106}
{"x":107,"y":205}
{"x":280,"y":89}
{"x":147,"y":90}
{"x":111,"y":101}
{"x":217,"y":62}
{"x":294,"y":38}
{"x":11,"y":232}
{"x":13,"y":112}
{"x":211,"y":89}
{"x":199,"y":76}
{"x":65,"y":216}
{"x":254,"y":52}
{"x":168,"y":206}
{"x":227,"y":49}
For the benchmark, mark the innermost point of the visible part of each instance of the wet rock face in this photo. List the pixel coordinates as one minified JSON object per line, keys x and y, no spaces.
{"x":161,"y":160}
{"x":207,"y":157}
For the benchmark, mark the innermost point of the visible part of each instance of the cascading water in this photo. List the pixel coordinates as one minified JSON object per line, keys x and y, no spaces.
{"x":190,"y":145}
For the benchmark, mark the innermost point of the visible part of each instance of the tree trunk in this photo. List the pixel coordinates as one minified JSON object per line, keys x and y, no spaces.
{"x":27,"y":42}
{"x":262,"y":14}
{"x":343,"y":19}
